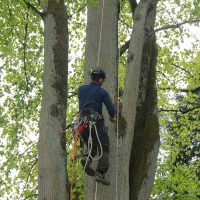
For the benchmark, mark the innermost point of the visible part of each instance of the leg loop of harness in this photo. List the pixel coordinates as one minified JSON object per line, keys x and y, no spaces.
{"x":90,"y":144}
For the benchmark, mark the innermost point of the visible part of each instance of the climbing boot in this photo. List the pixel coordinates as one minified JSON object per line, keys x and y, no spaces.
{"x":101,"y":178}
{"x":86,"y":166}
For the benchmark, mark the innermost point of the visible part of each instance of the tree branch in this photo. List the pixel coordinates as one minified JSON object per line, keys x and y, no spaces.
{"x":194,"y":91}
{"x":124,"y":48}
{"x":81,"y":8}
{"x":29,"y":174}
{"x":167,"y":110}
{"x":178,"y":110}
{"x":21,"y":154}
{"x":182,"y":69}
{"x":24,"y":53}
{"x":173,"y":26}
{"x":32,"y":195}
{"x":29,"y":5}
{"x":167,"y":78}
{"x":72,"y":94}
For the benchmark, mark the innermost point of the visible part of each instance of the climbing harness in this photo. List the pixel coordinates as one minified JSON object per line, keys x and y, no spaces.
{"x":83,"y":122}
{"x":89,"y":121}
{"x":90,"y":144}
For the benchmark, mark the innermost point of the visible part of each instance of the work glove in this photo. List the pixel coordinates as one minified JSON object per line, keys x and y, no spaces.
{"x":114,"y":119}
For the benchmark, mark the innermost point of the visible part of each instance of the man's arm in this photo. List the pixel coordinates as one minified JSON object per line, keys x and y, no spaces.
{"x":109,"y":105}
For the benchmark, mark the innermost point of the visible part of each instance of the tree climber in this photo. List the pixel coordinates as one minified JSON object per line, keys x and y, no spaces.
{"x":91,"y":99}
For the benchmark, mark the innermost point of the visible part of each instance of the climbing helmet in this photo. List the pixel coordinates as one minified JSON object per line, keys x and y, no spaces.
{"x":97,"y":73}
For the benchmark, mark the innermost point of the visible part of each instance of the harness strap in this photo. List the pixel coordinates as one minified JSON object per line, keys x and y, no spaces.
{"x":91,"y":124}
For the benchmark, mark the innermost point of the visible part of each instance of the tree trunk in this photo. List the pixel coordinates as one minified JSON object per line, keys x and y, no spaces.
{"x":145,"y":145}
{"x":52,"y":146}
{"x":102,"y":51}
{"x":139,"y":141}
{"x":139,"y":102}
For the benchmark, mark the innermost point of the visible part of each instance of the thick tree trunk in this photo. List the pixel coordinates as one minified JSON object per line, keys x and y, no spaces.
{"x":107,"y":58}
{"x":139,"y":141}
{"x":139,"y":90}
{"x":52,"y":146}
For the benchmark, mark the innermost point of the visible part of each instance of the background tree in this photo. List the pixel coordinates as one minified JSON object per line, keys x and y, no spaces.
{"x":177,"y":172}
{"x":21,"y":75}
{"x":178,"y":169}
{"x":52,"y":176}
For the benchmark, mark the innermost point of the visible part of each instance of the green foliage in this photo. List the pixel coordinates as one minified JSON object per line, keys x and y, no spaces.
{"x":178,"y":91}
{"x":125,"y":29}
{"x":21,"y":76}
{"x":43,"y":2}
{"x":94,"y":3}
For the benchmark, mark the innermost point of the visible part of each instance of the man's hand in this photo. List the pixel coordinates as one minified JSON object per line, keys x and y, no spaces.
{"x":114,"y":119}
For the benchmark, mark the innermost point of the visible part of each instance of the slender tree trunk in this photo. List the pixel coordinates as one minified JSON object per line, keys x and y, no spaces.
{"x":145,"y":145}
{"x":139,"y":141}
{"x":52,"y":175}
{"x":102,"y":51}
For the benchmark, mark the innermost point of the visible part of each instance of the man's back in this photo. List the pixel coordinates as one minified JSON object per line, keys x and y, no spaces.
{"x":94,"y":96}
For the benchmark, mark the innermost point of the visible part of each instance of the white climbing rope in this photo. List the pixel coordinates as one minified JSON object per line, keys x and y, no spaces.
{"x":100,"y":34}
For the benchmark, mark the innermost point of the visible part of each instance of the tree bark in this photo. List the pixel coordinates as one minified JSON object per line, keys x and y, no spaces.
{"x":101,"y":44}
{"x":52,"y":176}
{"x":139,"y":141}
{"x":146,"y":141}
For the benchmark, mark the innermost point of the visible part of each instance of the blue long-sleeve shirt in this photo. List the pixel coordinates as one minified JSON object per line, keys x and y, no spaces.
{"x":94,"y":96}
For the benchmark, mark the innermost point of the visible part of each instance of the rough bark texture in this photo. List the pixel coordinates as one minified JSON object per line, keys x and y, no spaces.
{"x":139,"y":135}
{"x":146,"y":141}
{"x":52,"y":151}
{"x":108,"y":60}
{"x":145,"y":144}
